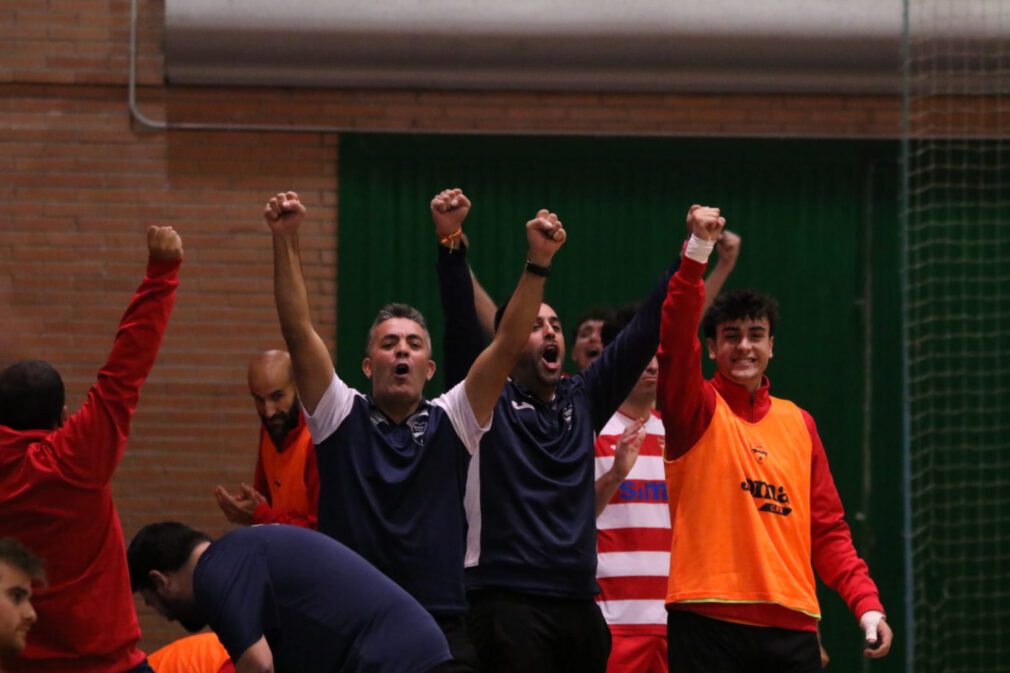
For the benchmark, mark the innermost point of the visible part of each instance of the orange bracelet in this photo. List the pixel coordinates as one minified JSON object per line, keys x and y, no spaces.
{"x":452,"y":238}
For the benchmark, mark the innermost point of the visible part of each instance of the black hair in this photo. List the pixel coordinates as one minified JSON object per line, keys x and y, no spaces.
{"x":14,"y":553}
{"x":617,"y":321}
{"x":31,"y":396}
{"x":595,"y":313}
{"x":164,"y":547}
{"x":397,"y":310}
{"x":740,"y":304}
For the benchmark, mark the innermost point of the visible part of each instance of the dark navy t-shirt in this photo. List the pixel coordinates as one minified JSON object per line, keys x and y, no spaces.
{"x":321,"y":607}
{"x":393,"y":492}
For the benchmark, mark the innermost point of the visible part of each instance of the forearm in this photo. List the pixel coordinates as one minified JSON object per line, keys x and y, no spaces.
{"x":93,"y":439}
{"x":489,"y":372}
{"x":606,"y":487}
{"x":484,"y":305}
{"x":834,"y":555}
{"x":463,"y":340}
{"x":680,"y":389}
{"x":611,"y":377}
{"x":715,"y":280}
{"x":310,"y":359}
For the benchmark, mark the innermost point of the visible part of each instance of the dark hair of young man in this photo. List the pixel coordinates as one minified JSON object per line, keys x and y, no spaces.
{"x":595,"y":313}
{"x":31,"y":396}
{"x":15,"y":554}
{"x":616,"y":322}
{"x":164,"y":547}
{"x":740,"y":304}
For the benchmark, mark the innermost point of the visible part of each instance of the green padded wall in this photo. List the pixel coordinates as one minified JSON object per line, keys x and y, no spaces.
{"x":819,"y":227}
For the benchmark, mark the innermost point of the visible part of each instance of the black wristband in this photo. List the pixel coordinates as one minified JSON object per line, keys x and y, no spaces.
{"x":538,"y":270}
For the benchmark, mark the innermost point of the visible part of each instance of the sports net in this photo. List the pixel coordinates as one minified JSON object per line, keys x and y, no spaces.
{"x":956,"y":209}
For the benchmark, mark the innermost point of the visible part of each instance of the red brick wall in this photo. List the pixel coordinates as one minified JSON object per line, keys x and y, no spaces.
{"x":80,"y":184}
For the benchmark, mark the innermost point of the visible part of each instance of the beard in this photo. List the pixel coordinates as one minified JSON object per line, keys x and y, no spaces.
{"x":282,"y":423}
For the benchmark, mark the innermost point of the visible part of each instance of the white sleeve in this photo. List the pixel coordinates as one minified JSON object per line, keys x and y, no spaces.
{"x":334,"y":406}
{"x":457,"y":407}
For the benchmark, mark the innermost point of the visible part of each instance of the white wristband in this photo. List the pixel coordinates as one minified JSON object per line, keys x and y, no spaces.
{"x":699,"y":249}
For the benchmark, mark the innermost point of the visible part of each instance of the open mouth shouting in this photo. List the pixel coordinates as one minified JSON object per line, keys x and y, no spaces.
{"x":401,"y":369}
{"x":550,"y":358}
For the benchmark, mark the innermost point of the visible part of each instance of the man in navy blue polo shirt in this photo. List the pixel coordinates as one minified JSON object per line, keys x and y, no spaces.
{"x":393,"y":467}
{"x":284,"y":599}
{"x":531,"y":542}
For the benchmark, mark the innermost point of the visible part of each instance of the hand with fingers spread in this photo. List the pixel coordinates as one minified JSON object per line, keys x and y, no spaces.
{"x":448,"y":210}
{"x":163,"y":243}
{"x":626,"y":450}
{"x":705,"y":222}
{"x":545,"y":235}
{"x":877,"y":633}
{"x":239,"y":507}
{"x":284,"y":213}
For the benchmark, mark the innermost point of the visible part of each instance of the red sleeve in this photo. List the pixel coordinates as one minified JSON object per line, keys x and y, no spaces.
{"x":89,"y":446}
{"x":227,"y":667}
{"x":266,"y":514}
{"x":687,"y":402}
{"x":834,"y":556}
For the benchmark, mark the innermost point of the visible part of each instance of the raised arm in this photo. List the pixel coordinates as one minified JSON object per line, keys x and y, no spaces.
{"x":313,"y":367}
{"x":463,"y":340}
{"x":89,"y":446}
{"x":681,"y":393}
{"x":545,"y":236}
{"x":625,"y":457}
{"x":728,"y":246}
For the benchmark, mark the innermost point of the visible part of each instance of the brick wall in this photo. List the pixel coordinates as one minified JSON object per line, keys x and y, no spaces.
{"x":81,"y":184}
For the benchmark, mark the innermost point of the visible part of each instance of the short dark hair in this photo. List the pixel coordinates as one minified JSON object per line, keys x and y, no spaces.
{"x":397,"y":310}
{"x":740,"y":304}
{"x":617,"y":321}
{"x":14,"y":553}
{"x":164,"y":547}
{"x":31,"y":396}
{"x":603,"y":313}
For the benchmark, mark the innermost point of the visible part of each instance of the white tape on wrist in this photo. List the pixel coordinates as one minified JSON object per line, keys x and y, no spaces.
{"x":699,"y":249}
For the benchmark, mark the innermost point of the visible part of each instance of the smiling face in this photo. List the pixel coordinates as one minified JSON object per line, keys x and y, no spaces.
{"x":741,"y":350}
{"x":16,"y":612}
{"x":539,"y":366}
{"x":398,"y":362}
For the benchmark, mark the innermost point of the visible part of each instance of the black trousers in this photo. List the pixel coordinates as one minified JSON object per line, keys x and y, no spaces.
{"x":464,"y":656}
{"x":524,"y":633}
{"x":698,"y":644}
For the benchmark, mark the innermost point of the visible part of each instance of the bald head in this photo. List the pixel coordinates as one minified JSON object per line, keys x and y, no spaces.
{"x":272,"y":386}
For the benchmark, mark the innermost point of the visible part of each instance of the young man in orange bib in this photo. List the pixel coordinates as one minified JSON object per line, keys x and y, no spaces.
{"x":753,"y":506}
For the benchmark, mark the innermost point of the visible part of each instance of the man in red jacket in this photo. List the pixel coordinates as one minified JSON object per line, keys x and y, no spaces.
{"x":753,"y":506}
{"x":54,"y":485}
{"x":286,"y":484}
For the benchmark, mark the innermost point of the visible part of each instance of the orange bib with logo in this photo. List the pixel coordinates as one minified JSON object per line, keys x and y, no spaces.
{"x":740,"y":512}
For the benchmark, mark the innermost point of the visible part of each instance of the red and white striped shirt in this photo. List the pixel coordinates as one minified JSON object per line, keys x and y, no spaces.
{"x":633,"y":534}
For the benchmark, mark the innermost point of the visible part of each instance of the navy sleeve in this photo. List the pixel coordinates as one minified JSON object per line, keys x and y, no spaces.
{"x":463,"y":340}
{"x":610,"y":378}
{"x":231,"y":586}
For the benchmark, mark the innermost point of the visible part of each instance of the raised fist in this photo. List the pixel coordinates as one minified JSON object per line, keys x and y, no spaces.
{"x":284,"y":213}
{"x":448,"y":210}
{"x":728,"y":247}
{"x":163,"y":243}
{"x":705,"y":222}
{"x":545,"y":235}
